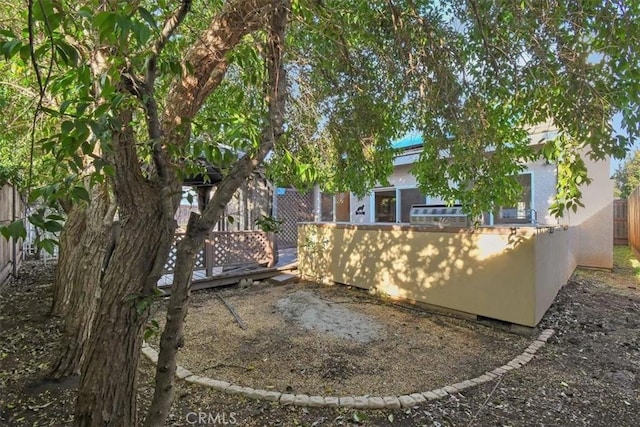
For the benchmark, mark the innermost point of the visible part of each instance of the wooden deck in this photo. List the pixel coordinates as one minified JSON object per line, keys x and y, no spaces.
{"x":287,"y":262}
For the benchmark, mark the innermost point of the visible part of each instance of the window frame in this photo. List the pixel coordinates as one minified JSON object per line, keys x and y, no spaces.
{"x":333,"y":207}
{"x":494,"y":216}
{"x":398,"y":213}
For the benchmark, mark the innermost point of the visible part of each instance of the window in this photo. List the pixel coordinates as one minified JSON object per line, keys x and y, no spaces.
{"x":389,"y":205}
{"x":343,"y":207}
{"x":385,"y":206}
{"x":521,"y":212}
{"x":335,"y":208}
{"x":408,"y":197}
{"x":326,"y":207}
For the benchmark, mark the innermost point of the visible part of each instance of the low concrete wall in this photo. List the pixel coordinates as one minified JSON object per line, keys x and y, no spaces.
{"x":511,"y":274}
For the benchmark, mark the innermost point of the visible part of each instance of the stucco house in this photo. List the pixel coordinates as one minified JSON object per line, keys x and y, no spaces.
{"x":392,"y":204}
{"x":510,"y":269}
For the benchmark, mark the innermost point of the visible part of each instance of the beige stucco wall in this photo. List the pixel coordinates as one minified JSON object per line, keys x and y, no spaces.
{"x":507,"y":274}
{"x":554,"y":264}
{"x":593,"y":242}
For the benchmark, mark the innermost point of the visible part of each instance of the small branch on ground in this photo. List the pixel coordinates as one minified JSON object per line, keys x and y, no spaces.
{"x":485,"y":401}
{"x":234,"y":312}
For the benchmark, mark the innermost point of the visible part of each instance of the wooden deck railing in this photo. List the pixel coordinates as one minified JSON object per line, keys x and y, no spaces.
{"x":230,"y":249}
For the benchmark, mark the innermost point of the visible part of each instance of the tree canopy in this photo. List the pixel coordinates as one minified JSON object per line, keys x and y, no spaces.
{"x":123,"y":98}
{"x":627,"y":176}
{"x":472,"y":76}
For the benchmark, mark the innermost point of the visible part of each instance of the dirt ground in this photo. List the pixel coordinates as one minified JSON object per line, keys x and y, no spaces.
{"x":333,"y":340}
{"x":588,"y":374}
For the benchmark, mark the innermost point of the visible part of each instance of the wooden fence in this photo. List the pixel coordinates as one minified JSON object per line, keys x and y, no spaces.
{"x":10,"y":251}
{"x":620,"y":221}
{"x":230,"y":249}
{"x":633,"y":222}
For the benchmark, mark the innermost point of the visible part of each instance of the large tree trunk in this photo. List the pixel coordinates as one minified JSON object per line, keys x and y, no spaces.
{"x":147,"y":201}
{"x":70,"y":239}
{"x":107,"y":392}
{"x":84,"y":281}
{"x":198,"y":228}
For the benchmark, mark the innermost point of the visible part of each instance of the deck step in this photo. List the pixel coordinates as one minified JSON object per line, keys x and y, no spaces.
{"x":283,"y":279}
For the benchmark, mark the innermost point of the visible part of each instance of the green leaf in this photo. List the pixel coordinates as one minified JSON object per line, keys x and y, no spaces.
{"x":132,"y":297}
{"x":67,"y":126}
{"x":11,"y":47}
{"x":359,"y":417}
{"x":80,"y":193}
{"x":106,"y":24}
{"x":67,"y":52}
{"x":65,"y":105}
{"x":85,"y":12}
{"x":37,"y":219}
{"x":148,"y":333}
{"x":147,"y":16}
{"x":53,"y":226}
{"x":142,"y":305}
{"x":141,"y":32}
{"x":101,"y":110}
{"x":175,"y":67}
{"x":14,"y":230}
{"x":48,"y":245}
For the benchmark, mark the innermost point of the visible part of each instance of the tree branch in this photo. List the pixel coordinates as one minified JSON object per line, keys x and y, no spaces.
{"x":275,"y":95}
{"x":487,"y":45}
{"x":145,"y":92}
{"x":170,"y":26}
{"x":208,"y":60}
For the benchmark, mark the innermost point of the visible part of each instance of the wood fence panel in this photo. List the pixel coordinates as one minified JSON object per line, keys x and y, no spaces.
{"x":10,"y":251}
{"x":633,"y":219}
{"x":620,"y":228}
{"x":234,"y":248}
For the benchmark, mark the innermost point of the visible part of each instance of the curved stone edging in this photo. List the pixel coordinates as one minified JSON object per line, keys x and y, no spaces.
{"x":359,"y":402}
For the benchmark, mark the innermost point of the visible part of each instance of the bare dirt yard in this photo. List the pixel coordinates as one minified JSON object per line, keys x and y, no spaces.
{"x":336,"y":341}
{"x":332,"y":340}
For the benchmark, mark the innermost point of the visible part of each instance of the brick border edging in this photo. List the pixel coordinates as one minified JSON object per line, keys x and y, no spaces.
{"x":359,"y":402}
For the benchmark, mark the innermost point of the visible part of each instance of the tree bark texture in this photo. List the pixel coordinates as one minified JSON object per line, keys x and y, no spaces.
{"x":107,"y":392}
{"x":84,"y":281}
{"x":147,"y":201}
{"x":70,"y":239}
{"x":172,"y":338}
